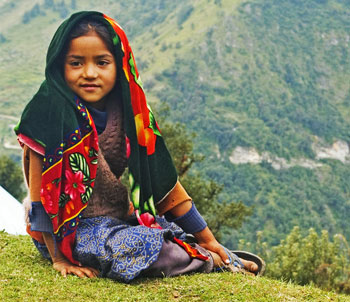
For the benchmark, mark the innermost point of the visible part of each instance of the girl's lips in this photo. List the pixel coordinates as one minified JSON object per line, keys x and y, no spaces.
{"x":91,"y":87}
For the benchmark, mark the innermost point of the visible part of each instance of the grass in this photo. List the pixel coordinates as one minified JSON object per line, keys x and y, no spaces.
{"x":25,"y":276}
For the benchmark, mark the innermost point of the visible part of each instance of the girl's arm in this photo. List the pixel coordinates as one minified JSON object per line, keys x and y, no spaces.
{"x":33,"y":170}
{"x":204,"y":237}
{"x":177,"y":204}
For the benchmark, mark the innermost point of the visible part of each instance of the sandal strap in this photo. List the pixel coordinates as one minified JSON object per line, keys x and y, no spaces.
{"x":235,"y":264}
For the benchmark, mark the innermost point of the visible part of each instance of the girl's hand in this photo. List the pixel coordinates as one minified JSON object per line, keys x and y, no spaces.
{"x":215,"y":247}
{"x":62,"y":265}
{"x":207,"y":240}
{"x":65,"y":268}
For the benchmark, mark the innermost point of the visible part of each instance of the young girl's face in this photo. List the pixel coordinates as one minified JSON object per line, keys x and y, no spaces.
{"x":90,"y":69}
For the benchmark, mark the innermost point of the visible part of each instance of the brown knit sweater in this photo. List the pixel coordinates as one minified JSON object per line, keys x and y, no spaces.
{"x":110,"y":196}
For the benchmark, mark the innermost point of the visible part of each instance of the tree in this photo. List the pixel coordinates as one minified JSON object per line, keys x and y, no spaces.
{"x":49,"y":4}
{"x":73,"y":4}
{"x":2,"y":38}
{"x":184,"y":13}
{"x":11,"y":177}
{"x":62,"y":9}
{"x":26,"y":18}
{"x":218,"y":215}
{"x":312,"y":259}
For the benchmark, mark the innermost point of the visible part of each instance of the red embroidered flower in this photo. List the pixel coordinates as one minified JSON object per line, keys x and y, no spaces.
{"x":74,"y":186}
{"x":128,"y":150}
{"x":147,"y":219}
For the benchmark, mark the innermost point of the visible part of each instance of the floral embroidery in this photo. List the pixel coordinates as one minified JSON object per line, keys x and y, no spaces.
{"x":74,"y":185}
{"x":127,"y":143}
{"x":147,"y":130}
{"x":147,"y":219}
{"x":46,"y":198}
{"x":68,"y":178}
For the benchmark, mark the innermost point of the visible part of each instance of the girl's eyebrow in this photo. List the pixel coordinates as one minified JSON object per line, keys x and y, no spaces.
{"x":97,"y":57}
{"x":104,"y":56}
{"x":74,"y":57}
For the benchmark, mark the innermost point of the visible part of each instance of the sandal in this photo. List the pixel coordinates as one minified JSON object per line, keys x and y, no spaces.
{"x":236,"y":264}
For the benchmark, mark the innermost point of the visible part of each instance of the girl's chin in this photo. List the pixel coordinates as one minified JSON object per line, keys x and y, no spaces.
{"x":96,"y":103}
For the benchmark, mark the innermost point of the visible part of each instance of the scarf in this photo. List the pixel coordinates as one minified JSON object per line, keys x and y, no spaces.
{"x":57,"y":124}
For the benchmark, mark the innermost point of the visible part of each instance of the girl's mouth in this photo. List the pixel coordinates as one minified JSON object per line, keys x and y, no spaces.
{"x":89,"y":87}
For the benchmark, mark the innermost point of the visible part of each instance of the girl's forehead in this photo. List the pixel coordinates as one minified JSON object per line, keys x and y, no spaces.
{"x":90,"y":43}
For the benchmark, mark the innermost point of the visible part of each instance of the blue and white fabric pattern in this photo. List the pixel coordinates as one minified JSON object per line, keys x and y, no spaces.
{"x":119,"y":249}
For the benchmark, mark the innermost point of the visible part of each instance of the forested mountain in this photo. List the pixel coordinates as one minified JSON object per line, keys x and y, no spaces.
{"x":264,"y":84}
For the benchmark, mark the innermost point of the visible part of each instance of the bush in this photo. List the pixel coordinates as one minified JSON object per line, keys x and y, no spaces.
{"x":2,"y":38}
{"x":11,"y":177}
{"x":184,"y":13}
{"x":313,"y":259}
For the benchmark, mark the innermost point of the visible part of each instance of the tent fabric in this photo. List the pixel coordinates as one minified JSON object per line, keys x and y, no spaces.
{"x":11,"y":214}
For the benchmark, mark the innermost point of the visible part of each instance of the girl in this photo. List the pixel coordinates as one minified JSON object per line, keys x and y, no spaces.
{"x":86,"y":124}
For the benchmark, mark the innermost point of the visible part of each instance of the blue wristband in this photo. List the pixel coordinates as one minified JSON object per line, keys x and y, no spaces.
{"x":38,"y":218}
{"x":191,"y":222}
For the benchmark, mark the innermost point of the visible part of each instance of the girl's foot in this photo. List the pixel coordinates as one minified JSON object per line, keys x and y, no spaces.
{"x":250,"y":266}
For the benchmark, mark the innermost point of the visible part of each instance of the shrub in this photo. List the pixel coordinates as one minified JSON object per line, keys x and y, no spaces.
{"x":313,"y":259}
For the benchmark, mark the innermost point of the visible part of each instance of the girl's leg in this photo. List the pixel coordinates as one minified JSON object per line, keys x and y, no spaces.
{"x":173,"y":260}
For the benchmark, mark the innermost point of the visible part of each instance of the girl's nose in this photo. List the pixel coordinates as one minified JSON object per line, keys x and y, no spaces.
{"x":89,"y":71}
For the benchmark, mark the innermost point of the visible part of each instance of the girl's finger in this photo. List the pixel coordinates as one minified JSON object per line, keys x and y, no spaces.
{"x":88,"y":272}
{"x":79,"y":272}
{"x":96,"y":272}
{"x":223,"y":255}
{"x":64,"y":273}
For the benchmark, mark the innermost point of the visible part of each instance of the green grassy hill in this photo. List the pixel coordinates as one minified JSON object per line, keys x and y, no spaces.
{"x":270,"y":78}
{"x":25,"y":276}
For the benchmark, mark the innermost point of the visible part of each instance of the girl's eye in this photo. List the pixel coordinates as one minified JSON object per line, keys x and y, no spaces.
{"x":103,"y":63}
{"x":74,"y":63}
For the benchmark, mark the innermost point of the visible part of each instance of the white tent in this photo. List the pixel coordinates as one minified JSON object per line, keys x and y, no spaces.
{"x":11,"y":214}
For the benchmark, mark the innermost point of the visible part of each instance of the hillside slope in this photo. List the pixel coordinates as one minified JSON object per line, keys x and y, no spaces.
{"x":267,"y":79}
{"x":272,"y":77}
{"x":25,"y":276}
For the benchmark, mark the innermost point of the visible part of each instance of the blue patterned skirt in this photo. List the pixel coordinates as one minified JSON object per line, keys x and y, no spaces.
{"x":119,"y":249}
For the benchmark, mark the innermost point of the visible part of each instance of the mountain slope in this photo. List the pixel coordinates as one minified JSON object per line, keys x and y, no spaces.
{"x":26,"y":276}
{"x":273,"y":76}
{"x":270,"y":77}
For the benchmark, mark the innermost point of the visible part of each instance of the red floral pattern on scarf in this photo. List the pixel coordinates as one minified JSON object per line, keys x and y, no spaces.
{"x":74,"y":186}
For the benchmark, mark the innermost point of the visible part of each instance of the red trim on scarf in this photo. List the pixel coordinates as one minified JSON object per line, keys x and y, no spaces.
{"x":145,"y":134}
{"x":32,"y":144}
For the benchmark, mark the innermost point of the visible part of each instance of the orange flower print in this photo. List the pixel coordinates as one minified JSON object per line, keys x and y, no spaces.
{"x":146,"y":135}
{"x":69,"y":207}
{"x":46,"y":196}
